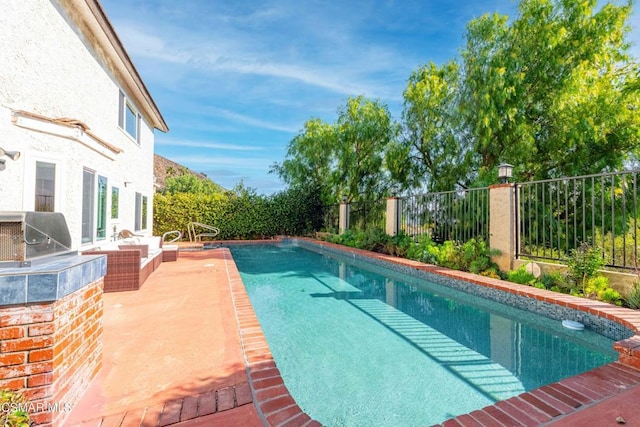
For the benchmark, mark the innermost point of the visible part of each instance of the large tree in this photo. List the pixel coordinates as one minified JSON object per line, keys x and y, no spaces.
{"x":344,"y":158}
{"x":364,"y":131}
{"x":309,"y":159}
{"x":549,"y":92}
{"x":431,"y":154}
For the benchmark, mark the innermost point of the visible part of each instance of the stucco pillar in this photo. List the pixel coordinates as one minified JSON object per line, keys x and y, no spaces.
{"x":394,"y":212}
{"x":343,"y":225}
{"x":502,"y":224}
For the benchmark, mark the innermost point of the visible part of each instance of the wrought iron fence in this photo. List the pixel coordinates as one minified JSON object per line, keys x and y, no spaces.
{"x":556,"y":216}
{"x":367,"y":215}
{"x":451,"y":215}
{"x":331,"y":217}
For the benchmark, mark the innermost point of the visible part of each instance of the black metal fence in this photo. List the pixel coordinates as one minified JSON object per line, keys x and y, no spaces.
{"x":553,"y":217}
{"x":451,"y":215}
{"x":556,"y":216}
{"x":367,"y":215}
{"x":332,"y":218}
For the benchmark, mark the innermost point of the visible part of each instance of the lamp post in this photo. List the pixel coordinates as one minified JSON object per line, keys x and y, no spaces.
{"x":505,"y":171}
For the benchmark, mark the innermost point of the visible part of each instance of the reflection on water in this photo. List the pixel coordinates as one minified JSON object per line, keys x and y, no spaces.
{"x":536,"y":350}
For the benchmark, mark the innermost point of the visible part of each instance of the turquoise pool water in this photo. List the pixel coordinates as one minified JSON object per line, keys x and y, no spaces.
{"x":358,"y":348}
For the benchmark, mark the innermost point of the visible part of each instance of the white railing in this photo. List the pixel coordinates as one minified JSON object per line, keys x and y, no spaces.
{"x":198,"y":230}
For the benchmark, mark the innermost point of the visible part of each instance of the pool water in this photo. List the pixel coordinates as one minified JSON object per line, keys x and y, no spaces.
{"x":358,"y":348}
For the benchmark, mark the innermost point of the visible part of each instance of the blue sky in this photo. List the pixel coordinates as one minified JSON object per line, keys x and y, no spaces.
{"x":236,"y":80}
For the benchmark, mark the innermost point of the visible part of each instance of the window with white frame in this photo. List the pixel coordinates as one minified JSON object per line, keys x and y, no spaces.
{"x":88,"y":205}
{"x":128,"y":118}
{"x":141,"y":209}
{"x":144,"y":212}
{"x":115,"y":202}
{"x":101,"y":220}
{"x":138,"y":213}
{"x":45,"y":187}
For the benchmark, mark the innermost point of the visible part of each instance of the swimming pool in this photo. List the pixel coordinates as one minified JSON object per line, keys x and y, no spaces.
{"x":358,"y":348}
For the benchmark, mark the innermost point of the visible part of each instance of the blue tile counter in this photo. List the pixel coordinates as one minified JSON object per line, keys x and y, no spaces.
{"x":51,"y":280}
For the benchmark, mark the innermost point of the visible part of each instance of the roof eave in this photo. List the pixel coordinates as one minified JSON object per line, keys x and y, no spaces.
{"x":98,"y":31}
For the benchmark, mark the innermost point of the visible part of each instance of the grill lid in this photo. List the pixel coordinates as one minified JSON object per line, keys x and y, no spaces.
{"x":25,"y":236}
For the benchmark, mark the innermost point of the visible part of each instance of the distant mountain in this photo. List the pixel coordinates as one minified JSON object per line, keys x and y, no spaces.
{"x":164,"y":168}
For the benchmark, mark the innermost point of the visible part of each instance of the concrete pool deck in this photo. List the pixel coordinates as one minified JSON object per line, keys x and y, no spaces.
{"x":187,"y":350}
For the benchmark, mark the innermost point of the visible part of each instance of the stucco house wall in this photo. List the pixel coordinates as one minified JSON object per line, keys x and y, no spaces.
{"x":63,"y":72}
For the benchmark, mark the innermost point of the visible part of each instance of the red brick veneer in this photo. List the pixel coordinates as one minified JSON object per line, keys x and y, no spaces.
{"x":52,"y":351}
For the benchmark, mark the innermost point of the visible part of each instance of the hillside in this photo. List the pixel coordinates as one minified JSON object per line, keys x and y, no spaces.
{"x":164,"y":168}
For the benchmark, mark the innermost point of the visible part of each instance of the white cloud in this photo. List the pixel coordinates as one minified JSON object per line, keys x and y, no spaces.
{"x":241,"y":118}
{"x":204,"y":144}
{"x":242,"y":163}
{"x":331,"y":60}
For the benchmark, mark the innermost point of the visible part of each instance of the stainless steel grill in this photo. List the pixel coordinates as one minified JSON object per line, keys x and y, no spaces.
{"x":11,"y":242}
{"x":27,"y":236}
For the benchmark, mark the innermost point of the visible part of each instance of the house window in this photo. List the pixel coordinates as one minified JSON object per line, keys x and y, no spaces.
{"x":138,"y":212}
{"x":101,"y":228}
{"x":141,"y":212}
{"x":144,"y":212}
{"x":128,"y":118}
{"x":115,"y":197}
{"x":45,"y":187}
{"x":88,"y":194}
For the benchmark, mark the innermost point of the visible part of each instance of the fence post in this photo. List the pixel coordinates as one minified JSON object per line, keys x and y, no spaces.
{"x":394,"y":210}
{"x":344,"y":217}
{"x":502,"y":224}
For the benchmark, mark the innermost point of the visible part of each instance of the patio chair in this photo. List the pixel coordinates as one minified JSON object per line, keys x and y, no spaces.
{"x":198,"y":230}
{"x":129,"y":237}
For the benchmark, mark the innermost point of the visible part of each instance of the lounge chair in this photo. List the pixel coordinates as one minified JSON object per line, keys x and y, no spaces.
{"x":129,"y":237}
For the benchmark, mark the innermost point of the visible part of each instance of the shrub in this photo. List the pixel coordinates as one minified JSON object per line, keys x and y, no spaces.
{"x":424,"y":250}
{"x":399,"y":245}
{"x":241,"y":213}
{"x":491,"y":272}
{"x":598,"y":287}
{"x":611,"y":296}
{"x":595,"y":286}
{"x":633,"y":299}
{"x":449,"y":256}
{"x":555,"y":281}
{"x":375,"y":240}
{"x":473,"y":256}
{"x":583,"y":264}
{"x":521,"y":276}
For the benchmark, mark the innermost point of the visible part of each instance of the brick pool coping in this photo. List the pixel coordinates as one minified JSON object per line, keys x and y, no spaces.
{"x":546,"y":404}
{"x":274,"y":403}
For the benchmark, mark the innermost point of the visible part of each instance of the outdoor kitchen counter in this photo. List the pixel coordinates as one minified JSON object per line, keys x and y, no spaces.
{"x":50,"y":280}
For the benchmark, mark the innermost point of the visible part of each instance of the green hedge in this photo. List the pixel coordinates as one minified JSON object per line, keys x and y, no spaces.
{"x":240,"y":214}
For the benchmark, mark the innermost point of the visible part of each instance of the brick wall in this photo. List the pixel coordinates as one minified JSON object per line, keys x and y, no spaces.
{"x":52,"y":351}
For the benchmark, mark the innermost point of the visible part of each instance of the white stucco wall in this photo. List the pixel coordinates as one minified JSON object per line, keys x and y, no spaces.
{"x":48,"y":68}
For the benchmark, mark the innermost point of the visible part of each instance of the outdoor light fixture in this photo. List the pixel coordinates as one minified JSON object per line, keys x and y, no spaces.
{"x":13,"y":155}
{"x":344,"y":198}
{"x":505,"y":171}
{"x":394,"y":190}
